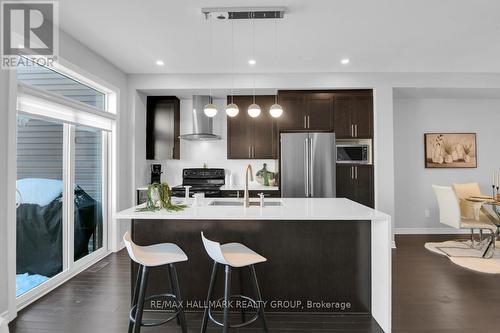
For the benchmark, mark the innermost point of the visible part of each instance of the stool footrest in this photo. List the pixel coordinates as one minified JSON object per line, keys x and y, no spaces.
{"x":246,"y":323}
{"x":151,"y":323}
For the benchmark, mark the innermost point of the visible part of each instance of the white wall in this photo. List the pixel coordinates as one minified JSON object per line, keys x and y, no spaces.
{"x":415,"y":116}
{"x":194,"y":154}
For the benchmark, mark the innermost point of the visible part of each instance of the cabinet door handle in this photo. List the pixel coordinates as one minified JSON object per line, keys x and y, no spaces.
{"x":249,"y":151}
{"x":308,"y":122}
{"x":305,"y":121}
{"x":253,"y":151}
{"x":356,"y":130}
{"x":352,"y":130}
{"x":356,"y":172}
{"x":352,"y":172}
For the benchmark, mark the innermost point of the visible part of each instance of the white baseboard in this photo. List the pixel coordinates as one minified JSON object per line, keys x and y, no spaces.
{"x":120,"y":247}
{"x":429,"y":231}
{"x":4,"y":320}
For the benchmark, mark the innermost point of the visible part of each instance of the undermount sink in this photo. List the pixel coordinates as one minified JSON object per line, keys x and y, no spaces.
{"x":240,"y":203}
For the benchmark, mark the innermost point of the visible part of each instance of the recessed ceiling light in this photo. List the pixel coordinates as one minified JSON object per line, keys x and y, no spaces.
{"x":345,"y":61}
{"x":252,"y":62}
{"x":160,"y":62}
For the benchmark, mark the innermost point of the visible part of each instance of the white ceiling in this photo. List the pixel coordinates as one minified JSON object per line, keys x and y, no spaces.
{"x":377,"y":36}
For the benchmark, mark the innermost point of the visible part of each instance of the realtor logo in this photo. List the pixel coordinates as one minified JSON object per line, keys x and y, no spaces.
{"x":29,"y":31}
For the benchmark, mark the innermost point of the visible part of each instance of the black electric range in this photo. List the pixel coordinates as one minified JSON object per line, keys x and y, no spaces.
{"x":208,"y":181}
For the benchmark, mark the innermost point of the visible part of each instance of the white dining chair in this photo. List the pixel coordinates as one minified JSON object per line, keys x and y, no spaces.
{"x":449,"y":214}
{"x":473,"y":210}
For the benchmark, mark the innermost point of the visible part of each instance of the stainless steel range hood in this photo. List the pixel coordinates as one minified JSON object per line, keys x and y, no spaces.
{"x":202,"y":125}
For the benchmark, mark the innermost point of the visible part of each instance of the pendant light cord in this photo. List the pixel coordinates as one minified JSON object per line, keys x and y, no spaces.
{"x":276,"y":49}
{"x":232,"y":61}
{"x":211,"y":55}
{"x":253,"y":52}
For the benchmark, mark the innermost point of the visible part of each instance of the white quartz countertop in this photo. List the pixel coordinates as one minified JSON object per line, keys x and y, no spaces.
{"x":290,"y":209}
{"x":251,"y":187}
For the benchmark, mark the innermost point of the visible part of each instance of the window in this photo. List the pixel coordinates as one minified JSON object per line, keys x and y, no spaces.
{"x":49,"y":80}
{"x":63,"y":147}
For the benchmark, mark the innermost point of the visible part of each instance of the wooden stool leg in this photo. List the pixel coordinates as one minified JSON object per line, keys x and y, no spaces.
{"x":140,"y":301}
{"x":180,"y":316}
{"x":227,"y":295}
{"x":259,"y":298}
{"x":134,"y":299}
{"x":209,"y":297}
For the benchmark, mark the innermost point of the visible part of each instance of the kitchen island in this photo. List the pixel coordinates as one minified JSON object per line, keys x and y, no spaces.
{"x":325,"y":255}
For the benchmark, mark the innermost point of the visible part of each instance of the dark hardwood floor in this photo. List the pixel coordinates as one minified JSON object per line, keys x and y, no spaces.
{"x":430,"y":294}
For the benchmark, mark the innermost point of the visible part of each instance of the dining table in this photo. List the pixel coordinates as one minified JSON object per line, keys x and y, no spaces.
{"x":494,"y":204}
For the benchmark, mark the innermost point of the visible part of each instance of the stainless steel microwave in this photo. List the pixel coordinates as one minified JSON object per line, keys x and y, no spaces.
{"x":353,"y":153}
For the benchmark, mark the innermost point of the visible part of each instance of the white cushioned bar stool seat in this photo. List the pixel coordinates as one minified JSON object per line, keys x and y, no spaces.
{"x":148,"y":257}
{"x":154,"y":255}
{"x":232,"y":255}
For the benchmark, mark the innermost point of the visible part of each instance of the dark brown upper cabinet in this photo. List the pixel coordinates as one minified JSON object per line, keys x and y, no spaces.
{"x":252,"y":138}
{"x":353,"y":114}
{"x":162,"y":128}
{"x":306,"y":110}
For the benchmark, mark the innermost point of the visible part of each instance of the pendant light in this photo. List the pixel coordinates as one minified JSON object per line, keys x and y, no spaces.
{"x":232,"y":109}
{"x":276,"y":110}
{"x":253,"y":109}
{"x":210,"y":109}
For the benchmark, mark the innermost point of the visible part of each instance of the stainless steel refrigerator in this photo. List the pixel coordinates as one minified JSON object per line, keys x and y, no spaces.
{"x":307,"y":165}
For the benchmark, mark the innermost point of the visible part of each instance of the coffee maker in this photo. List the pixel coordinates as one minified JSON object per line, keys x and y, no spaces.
{"x":156,"y":173}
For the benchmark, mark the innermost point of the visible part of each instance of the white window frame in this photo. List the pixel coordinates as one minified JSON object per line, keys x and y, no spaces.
{"x":33,"y":101}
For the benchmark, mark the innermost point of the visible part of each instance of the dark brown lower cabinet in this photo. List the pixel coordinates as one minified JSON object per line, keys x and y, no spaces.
{"x":355,"y":182}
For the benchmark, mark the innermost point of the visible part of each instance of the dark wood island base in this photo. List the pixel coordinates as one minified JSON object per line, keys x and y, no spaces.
{"x":319,"y":266}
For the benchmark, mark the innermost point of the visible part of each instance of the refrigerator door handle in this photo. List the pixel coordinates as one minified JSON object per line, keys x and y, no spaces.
{"x":306,"y":164}
{"x":311,"y":173}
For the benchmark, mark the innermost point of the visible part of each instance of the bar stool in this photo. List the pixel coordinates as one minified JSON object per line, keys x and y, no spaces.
{"x":154,"y":256}
{"x":232,"y":255}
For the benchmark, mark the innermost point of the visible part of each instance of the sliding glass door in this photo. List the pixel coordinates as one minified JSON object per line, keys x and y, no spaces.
{"x":88,"y":220}
{"x":39,"y":201}
{"x":64,"y":147}
{"x":61,"y":192}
